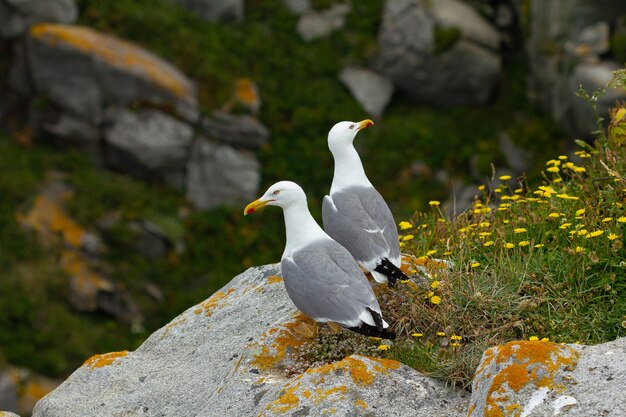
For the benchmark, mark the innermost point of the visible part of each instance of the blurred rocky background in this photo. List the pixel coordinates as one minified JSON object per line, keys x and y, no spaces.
{"x":134,"y":130}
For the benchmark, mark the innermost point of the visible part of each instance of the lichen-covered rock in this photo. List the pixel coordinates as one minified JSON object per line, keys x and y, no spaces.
{"x":242,"y":131}
{"x":441,"y":53}
{"x":17,"y":15}
{"x":224,"y":357}
{"x":371,"y":90}
{"x":20,"y":389}
{"x":215,"y":10}
{"x":148,"y":144}
{"x":219,"y":174}
{"x":541,"y":379}
{"x":8,"y":414}
{"x":80,"y":69}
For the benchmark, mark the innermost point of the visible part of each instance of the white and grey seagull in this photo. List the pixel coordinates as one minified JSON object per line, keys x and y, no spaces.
{"x":321,"y":277}
{"x":355,"y":214}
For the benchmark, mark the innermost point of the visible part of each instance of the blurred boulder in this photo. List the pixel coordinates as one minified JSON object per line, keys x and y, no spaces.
{"x":17,"y":15}
{"x":298,"y":7}
{"x":8,"y":390}
{"x":517,"y":158}
{"x":150,"y":240}
{"x":218,"y":174}
{"x":591,"y":42}
{"x":79,"y":70}
{"x":442,"y":53}
{"x":148,"y":144}
{"x":372,"y":91}
{"x":318,"y":24}
{"x":20,"y":389}
{"x":215,"y":10}
{"x":237,"y":130}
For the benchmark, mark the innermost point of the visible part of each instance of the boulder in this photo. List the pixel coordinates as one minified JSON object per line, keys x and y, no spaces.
{"x":441,"y":53}
{"x":541,"y":379}
{"x":241,"y":131}
{"x":148,"y":144}
{"x":298,"y":7}
{"x":224,"y":357}
{"x":8,"y":390}
{"x":371,"y":90}
{"x":79,"y":69}
{"x":17,"y":15}
{"x":8,"y":414}
{"x":318,"y":24}
{"x":218,"y":174}
{"x":215,"y":10}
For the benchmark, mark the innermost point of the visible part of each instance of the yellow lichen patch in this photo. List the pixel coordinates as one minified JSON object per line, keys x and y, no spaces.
{"x":246,"y":92}
{"x":523,"y":363}
{"x":115,"y":52}
{"x":106,"y":359}
{"x":358,"y":369}
{"x":360,"y":403}
{"x":215,"y":301}
{"x":321,"y":394}
{"x":284,"y":337}
{"x":286,"y":401}
{"x":274,"y":279}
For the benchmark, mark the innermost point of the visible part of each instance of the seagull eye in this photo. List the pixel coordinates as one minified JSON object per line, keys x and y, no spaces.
{"x":276,"y":192}
{"x":351,"y":127}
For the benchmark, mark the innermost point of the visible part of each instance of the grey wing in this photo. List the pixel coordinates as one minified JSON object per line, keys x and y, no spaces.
{"x":376,"y":206}
{"x":347,"y":220}
{"x":325,"y":283}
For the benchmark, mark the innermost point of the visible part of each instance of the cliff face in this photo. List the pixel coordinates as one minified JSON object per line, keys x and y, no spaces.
{"x":227,"y":357}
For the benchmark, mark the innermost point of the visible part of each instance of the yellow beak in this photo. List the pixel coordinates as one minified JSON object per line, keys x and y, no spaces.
{"x":254,"y":206}
{"x":365,"y":123}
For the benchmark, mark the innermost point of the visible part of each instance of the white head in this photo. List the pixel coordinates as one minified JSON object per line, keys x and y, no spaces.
{"x":282,"y":194}
{"x":343,"y":133}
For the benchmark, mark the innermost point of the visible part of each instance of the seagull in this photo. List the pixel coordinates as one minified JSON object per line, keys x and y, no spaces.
{"x":355,"y":214}
{"x":321,"y":277}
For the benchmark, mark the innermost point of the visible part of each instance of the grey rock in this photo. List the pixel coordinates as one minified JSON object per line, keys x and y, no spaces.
{"x":473,"y":27}
{"x":461,"y":197}
{"x":517,"y":158}
{"x":74,"y":129}
{"x":591,"y":42}
{"x":8,"y":414}
{"x":148,"y":144}
{"x":223,"y":357}
{"x":218,"y":174}
{"x":8,"y":391}
{"x":79,"y":69}
{"x":371,"y":90}
{"x":241,"y":131}
{"x":563,"y":380}
{"x":298,"y":7}
{"x":17,"y":15}
{"x":466,"y":72}
{"x":591,"y":76}
{"x":317,"y":24}
{"x":150,"y":240}
{"x":215,"y":10}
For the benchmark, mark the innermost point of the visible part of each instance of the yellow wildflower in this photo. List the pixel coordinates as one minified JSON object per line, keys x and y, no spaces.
{"x":485,"y":234}
{"x":475,"y":264}
{"x":408,"y":237}
{"x":488,"y":243}
{"x":580,"y":212}
{"x":433,"y":203}
{"x":582,"y":232}
{"x":607,"y":219}
{"x":434,"y":285}
{"x":565,"y":225}
{"x":441,"y":334}
{"x":553,"y":162}
{"x":435,"y":299}
{"x":455,"y":337}
{"x":612,"y":236}
{"x":405,"y":225}
{"x":565,"y":196}
{"x":481,"y":188}
{"x":505,"y":177}
{"x":532,"y":338}
{"x":562,"y":157}
{"x":506,"y":221}
{"x":431,"y":252}
{"x":579,"y":169}
{"x":578,"y":249}
{"x":455,"y":344}
{"x":509,"y":245}
{"x":554,"y":215}
{"x":447,"y":253}
{"x":519,"y":230}
{"x":484,"y":224}
{"x":417,"y":334}
{"x":383,"y":347}
{"x":545,"y":339}
{"x":524,"y":243}
{"x":539,"y":245}
{"x":621,"y":219}
{"x":553,"y":169}
{"x":594,"y":234}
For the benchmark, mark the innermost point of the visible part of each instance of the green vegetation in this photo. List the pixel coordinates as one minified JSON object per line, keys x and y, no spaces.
{"x":302,"y":99}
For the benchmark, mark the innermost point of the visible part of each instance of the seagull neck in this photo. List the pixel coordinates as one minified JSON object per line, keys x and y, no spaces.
{"x":348,"y":170}
{"x":301,"y":228}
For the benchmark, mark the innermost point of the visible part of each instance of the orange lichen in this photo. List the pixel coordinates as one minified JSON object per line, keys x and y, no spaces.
{"x":246,"y":92}
{"x":285,"y":337}
{"x":357,"y":368}
{"x":360,"y":403}
{"x":98,"y":361}
{"x":171,"y":325}
{"x":524,"y":362}
{"x":274,"y":279}
{"x":215,"y":301}
{"x":48,"y":219}
{"x":115,"y":52}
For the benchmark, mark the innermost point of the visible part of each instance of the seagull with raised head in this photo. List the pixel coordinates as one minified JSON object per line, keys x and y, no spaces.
{"x":321,"y":277}
{"x":355,"y":214}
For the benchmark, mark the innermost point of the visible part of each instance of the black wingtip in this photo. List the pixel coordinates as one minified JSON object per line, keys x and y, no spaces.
{"x":392,"y":272}
{"x":367,"y":330}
